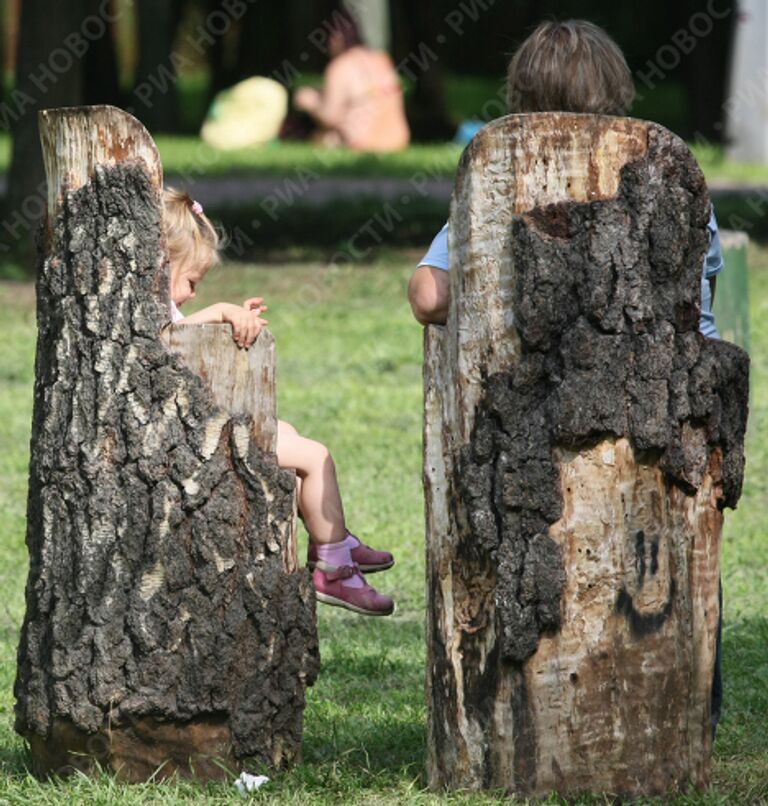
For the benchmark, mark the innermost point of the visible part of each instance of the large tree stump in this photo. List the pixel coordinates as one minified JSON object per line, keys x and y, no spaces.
{"x":167,"y":625}
{"x":581,"y":441}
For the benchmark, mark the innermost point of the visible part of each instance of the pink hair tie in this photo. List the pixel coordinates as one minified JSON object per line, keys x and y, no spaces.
{"x":197,"y":208}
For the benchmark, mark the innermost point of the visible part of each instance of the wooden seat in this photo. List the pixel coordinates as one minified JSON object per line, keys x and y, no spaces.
{"x":168,"y":628}
{"x":581,"y":440}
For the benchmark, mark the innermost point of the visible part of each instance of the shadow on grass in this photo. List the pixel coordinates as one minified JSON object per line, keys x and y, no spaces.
{"x":15,"y":760}
{"x":741,"y":750}
{"x":745,"y":675}
{"x":366,"y":714}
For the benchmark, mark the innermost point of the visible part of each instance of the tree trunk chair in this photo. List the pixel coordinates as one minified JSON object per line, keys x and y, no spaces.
{"x":581,"y":441}
{"x":168,"y":628}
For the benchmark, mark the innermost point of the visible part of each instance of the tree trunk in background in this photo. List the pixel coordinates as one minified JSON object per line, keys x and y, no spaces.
{"x":47,"y":74}
{"x":307,"y":26}
{"x":276,"y":40}
{"x":706,"y":76}
{"x":167,"y":626}
{"x":100,"y":77}
{"x":222,"y":74}
{"x":746,"y":132}
{"x":4,"y":35}
{"x":581,"y":440}
{"x":154,"y":99}
{"x":416,"y":45}
{"x":373,"y":19}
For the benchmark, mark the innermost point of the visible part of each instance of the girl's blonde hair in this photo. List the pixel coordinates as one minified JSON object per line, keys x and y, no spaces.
{"x":190,"y":237}
{"x":571,"y":66}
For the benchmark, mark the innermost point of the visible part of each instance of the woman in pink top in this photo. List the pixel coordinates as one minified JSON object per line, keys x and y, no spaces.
{"x":361,"y":103}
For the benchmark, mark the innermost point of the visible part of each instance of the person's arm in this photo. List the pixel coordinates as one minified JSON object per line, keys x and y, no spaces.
{"x":429,"y":290}
{"x":326,"y":107}
{"x":429,"y":294}
{"x":245,"y":319}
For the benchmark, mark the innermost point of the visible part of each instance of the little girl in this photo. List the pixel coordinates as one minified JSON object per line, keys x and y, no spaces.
{"x":337,"y":558}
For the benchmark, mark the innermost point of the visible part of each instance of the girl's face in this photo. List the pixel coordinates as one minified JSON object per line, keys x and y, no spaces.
{"x":184,"y":280}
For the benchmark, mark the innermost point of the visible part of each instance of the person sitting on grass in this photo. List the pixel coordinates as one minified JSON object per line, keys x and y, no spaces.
{"x":361,"y":104}
{"x":337,"y":558}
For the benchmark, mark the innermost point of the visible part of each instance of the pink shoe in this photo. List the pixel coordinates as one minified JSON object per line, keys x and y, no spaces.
{"x":330,"y":590}
{"x":367,"y":559}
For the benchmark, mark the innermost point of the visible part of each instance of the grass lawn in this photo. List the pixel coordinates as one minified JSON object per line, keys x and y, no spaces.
{"x":350,"y":375}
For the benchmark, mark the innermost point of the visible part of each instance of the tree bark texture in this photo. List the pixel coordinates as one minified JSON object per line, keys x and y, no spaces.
{"x":581,"y":441}
{"x":167,"y":625}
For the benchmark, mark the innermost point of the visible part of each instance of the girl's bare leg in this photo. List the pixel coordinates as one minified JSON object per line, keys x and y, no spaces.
{"x":336,"y":577}
{"x":319,"y":499}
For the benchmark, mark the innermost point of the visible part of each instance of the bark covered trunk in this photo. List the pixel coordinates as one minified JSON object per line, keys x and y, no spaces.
{"x":581,"y":440}
{"x":166,"y":621}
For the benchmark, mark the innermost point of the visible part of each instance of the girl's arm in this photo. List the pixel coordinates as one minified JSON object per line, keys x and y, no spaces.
{"x":245,"y":319}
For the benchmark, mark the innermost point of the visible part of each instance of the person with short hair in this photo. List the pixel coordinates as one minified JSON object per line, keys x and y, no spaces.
{"x":571,"y":66}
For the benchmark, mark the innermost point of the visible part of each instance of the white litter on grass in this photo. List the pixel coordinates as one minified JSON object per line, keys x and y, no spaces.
{"x":250,"y":783}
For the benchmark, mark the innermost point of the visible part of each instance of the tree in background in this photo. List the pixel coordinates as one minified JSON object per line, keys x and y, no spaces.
{"x":47,"y":75}
{"x":706,"y":75}
{"x":416,"y":28}
{"x":374,"y":18}
{"x":101,"y":79}
{"x":155,"y":98}
{"x":65,"y":56}
{"x":279,"y":40}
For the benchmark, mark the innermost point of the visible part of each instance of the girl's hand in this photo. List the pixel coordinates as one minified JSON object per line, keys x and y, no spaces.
{"x":255,"y":304}
{"x":246,"y":324}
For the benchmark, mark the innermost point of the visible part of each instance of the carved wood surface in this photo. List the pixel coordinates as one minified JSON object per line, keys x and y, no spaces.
{"x":167,"y":626}
{"x":241,"y":381}
{"x":581,"y":439}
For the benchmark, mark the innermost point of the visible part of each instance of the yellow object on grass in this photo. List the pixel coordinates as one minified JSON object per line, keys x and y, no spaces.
{"x":248,"y":114}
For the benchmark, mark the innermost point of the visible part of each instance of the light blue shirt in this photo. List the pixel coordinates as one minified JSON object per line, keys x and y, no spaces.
{"x":437,"y":256}
{"x":713,"y":265}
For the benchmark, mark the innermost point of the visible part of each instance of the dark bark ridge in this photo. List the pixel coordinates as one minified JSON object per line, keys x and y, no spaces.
{"x":607,"y":308}
{"x":157,"y":587}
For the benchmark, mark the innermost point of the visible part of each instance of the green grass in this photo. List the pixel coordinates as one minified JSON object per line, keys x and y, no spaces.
{"x":190,"y":157}
{"x":350,"y":375}
{"x":717,"y":167}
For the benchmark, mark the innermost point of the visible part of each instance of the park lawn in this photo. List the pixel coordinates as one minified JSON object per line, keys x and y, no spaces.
{"x":186,"y":158}
{"x":350,"y":374}
{"x":190,"y":158}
